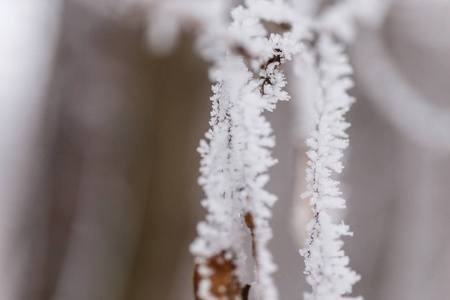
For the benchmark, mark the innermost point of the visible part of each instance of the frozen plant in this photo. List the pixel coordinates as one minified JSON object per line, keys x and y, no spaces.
{"x":236,"y":160}
{"x":246,"y":56}
{"x":326,"y":264}
{"x":327,"y":71}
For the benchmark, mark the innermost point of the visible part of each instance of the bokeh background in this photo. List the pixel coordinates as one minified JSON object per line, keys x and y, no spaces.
{"x":98,"y":168}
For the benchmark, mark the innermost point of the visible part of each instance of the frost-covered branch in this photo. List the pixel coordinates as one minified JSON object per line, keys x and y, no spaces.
{"x":326,"y":76}
{"x":246,"y":57}
{"x":236,"y":188}
{"x":326,"y":264}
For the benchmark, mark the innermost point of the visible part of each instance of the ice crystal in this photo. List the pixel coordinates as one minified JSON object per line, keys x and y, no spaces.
{"x":246,"y":58}
{"x":236,"y":159}
{"x":326,"y":263}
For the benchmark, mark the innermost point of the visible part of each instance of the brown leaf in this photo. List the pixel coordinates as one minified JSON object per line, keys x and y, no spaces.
{"x":224,"y":282}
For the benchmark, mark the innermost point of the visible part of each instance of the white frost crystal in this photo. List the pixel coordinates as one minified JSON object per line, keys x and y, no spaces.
{"x":236,"y":159}
{"x":246,"y":56}
{"x":326,"y":264}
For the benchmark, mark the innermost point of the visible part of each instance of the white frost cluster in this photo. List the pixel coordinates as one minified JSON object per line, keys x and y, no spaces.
{"x":246,"y":56}
{"x":325,"y":73}
{"x":236,"y":160}
{"x":326,"y":264}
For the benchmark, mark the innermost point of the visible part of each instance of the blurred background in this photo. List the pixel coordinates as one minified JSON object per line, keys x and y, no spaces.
{"x":98,"y":167}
